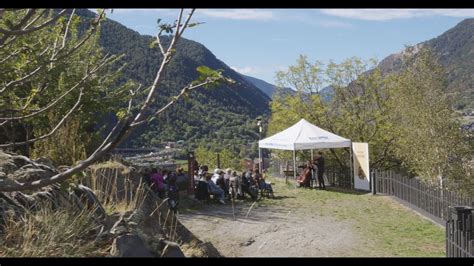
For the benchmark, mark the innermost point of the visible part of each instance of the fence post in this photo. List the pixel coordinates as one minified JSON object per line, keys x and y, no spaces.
{"x":373,"y":183}
{"x":191,"y":166}
{"x":459,"y":230}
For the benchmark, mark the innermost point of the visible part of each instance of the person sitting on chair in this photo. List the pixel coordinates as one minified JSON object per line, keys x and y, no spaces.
{"x":215,"y":189}
{"x":260,"y":180}
{"x":202,"y":187}
{"x":248,"y":186}
{"x":235,"y":188}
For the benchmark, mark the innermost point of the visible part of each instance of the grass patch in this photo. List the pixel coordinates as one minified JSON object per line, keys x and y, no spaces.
{"x":385,"y":228}
{"x":391,"y":230}
{"x":51,"y":233}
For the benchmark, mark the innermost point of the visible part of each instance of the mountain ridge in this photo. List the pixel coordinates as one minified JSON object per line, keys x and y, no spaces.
{"x":226,"y":112}
{"x":454,"y":49}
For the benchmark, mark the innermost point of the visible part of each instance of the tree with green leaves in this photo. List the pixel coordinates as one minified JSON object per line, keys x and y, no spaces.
{"x":429,"y":140}
{"x":357,"y":109}
{"x":208,"y":156}
{"x":17,"y":25}
{"x":406,"y":116}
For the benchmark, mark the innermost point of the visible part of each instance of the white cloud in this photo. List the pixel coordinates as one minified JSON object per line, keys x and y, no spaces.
{"x":313,"y":20}
{"x":334,"y":24}
{"x":390,"y":14}
{"x":238,"y":14}
{"x":247,"y":70}
{"x":146,"y":11}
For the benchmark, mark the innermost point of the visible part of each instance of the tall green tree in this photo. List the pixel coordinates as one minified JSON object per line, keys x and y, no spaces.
{"x":357,"y":109}
{"x":406,"y":116}
{"x":18,"y":25}
{"x":208,"y":156}
{"x":53,"y":76}
{"x":429,"y":140}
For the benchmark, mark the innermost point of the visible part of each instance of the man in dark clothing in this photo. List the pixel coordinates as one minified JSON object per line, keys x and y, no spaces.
{"x":320,"y":164}
{"x":173,"y":193}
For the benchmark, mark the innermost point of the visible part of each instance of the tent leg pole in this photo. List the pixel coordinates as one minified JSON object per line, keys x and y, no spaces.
{"x":294,"y":166}
{"x":260,"y":167}
{"x":352,"y":166}
{"x":312,"y":183}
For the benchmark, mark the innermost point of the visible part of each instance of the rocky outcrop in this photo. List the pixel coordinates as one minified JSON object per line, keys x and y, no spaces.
{"x":149,"y":230}
{"x":129,"y":245}
{"x":23,"y":169}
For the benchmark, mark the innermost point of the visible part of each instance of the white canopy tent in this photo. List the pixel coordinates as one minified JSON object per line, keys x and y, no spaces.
{"x":304,"y":136}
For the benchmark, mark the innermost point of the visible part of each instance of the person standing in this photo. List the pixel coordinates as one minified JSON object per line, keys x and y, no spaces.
{"x":158,"y":184}
{"x":172,"y":192}
{"x":320,"y":169}
{"x":314,"y":173}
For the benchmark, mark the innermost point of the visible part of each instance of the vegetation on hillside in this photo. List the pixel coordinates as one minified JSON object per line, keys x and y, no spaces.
{"x":453,"y":49}
{"x":222,"y":116}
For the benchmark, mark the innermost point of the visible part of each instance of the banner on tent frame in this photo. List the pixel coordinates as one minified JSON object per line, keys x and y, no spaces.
{"x":361,"y":165}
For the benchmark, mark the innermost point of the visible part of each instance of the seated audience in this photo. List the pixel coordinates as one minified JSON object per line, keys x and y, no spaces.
{"x":215,"y":189}
{"x":248,"y":185}
{"x":234,"y":185}
{"x":262,"y":184}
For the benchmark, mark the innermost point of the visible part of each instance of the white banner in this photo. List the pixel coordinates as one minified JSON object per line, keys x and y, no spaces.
{"x":361,"y":165}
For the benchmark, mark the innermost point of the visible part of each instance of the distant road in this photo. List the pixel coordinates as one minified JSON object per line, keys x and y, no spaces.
{"x":136,"y":150}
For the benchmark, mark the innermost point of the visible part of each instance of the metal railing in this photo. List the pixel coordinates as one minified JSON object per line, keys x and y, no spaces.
{"x":460,"y":232}
{"x":428,"y":197}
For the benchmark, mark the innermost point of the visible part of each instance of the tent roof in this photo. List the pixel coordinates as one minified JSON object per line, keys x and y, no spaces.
{"x":304,"y":136}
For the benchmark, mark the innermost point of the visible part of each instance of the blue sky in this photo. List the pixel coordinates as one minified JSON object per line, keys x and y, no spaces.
{"x":259,"y":42}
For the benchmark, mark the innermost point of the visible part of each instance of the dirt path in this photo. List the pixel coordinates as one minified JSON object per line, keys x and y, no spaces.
{"x":315,"y":223}
{"x":273,"y":231}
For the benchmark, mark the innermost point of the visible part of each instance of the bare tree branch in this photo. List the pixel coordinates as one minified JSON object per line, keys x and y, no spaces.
{"x":54,"y":102}
{"x":186,"y":23}
{"x":133,"y":93}
{"x":159,"y":43}
{"x":29,"y":14}
{"x":25,"y":31}
{"x":166,"y":58}
{"x":76,"y":105}
{"x":5,"y":37}
{"x":122,"y":132}
{"x":54,"y":58}
{"x":183,"y":92}
{"x":67,"y":27}
{"x":25,"y":19}
{"x":35,"y":19}
{"x":17,"y":81}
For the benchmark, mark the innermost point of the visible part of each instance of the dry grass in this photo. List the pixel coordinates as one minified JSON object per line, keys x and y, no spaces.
{"x":112,"y":164}
{"x":51,"y":233}
{"x":104,"y":182}
{"x":67,"y":233}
